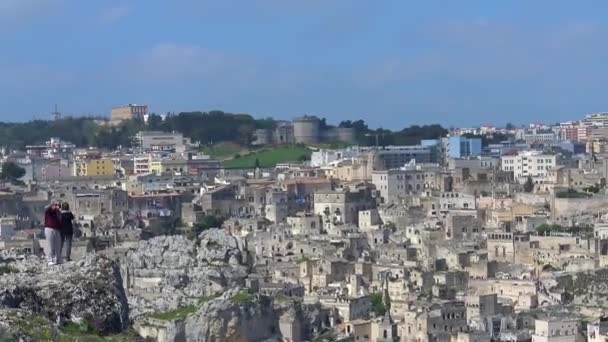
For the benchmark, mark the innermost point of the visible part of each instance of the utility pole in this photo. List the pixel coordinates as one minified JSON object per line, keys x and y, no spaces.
{"x":56,"y":115}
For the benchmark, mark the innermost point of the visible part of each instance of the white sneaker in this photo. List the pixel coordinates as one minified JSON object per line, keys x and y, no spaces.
{"x":52,"y":263}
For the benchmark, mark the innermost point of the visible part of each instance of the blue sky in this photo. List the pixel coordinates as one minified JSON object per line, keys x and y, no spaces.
{"x":392,"y":63}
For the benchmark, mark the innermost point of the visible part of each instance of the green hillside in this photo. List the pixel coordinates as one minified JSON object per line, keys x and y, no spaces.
{"x":269,"y":157}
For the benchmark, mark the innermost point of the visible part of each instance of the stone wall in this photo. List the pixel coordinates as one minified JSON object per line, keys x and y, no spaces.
{"x":565,"y":207}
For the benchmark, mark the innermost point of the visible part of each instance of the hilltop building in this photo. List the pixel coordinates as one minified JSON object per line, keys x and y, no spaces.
{"x":128,"y":112}
{"x":303,"y":130}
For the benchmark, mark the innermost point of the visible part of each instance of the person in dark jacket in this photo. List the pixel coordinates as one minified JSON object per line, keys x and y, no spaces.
{"x":67,"y":230}
{"x":52,"y":233}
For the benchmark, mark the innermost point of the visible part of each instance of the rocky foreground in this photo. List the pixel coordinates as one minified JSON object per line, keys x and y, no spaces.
{"x":38,"y":301}
{"x":169,"y":288}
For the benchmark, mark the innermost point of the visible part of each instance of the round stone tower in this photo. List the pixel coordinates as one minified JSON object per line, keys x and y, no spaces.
{"x":306,"y":130}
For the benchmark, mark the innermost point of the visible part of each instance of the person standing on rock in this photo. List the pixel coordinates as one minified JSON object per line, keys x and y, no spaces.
{"x":52,"y":233}
{"x":67,"y":231}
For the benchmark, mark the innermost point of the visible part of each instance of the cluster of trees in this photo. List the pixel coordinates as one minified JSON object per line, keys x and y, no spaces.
{"x":384,"y":137}
{"x":11,"y":172}
{"x":546,"y":229}
{"x":204,"y":127}
{"x":572,"y":193}
{"x":206,"y":223}
{"x":378,"y":306}
{"x":80,"y":131}
{"x":211,"y":127}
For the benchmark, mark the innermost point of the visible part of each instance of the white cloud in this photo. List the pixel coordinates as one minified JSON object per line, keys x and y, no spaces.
{"x":113,"y":14}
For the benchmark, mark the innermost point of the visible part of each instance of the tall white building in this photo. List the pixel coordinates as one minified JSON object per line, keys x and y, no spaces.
{"x":528,"y":164}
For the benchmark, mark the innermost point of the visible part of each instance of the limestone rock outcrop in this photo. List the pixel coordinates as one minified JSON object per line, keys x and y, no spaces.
{"x":583,"y":288}
{"x":167,"y":272}
{"x":89,"y":292}
{"x":240,"y":316}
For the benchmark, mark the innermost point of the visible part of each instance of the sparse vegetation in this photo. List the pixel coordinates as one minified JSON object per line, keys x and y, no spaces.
{"x":176,"y":314}
{"x":592,"y":189}
{"x":329,"y":336}
{"x":547,"y":229}
{"x":206,"y":223}
{"x":182,"y":312}
{"x":83,"y":328}
{"x":378,"y":307}
{"x":243,"y":297}
{"x":303,"y":259}
{"x":4,"y":269}
{"x":281,"y":298}
{"x":571,"y":193}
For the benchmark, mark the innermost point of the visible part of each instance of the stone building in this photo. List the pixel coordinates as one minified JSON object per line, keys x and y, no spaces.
{"x":439,"y":321}
{"x":555,"y":330}
{"x":342,"y":206}
{"x":128,"y":112}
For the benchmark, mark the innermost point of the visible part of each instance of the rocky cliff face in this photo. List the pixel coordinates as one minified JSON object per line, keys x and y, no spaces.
{"x":240,"y":316}
{"x":89,"y":292}
{"x":584,"y":288}
{"x":167,"y":272}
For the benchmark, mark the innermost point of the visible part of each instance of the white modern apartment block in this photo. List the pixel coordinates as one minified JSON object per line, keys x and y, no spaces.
{"x":325,"y":157}
{"x":528,"y":164}
{"x":555,"y":330}
{"x":141,"y":164}
{"x":160,"y":141}
{"x":535,"y":135}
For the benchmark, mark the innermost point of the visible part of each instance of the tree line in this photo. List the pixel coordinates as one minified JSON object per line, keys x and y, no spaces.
{"x":203,"y":127}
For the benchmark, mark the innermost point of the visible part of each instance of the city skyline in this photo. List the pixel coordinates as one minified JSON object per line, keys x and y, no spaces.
{"x":397,"y":64}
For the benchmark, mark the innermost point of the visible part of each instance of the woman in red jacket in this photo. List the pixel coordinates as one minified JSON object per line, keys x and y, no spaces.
{"x":52,"y":233}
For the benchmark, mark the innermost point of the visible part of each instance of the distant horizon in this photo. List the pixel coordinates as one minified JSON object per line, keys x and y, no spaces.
{"x":330,"y":122}
{"x":392,"y":63}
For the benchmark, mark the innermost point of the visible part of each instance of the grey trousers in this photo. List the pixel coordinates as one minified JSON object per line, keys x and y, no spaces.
{"x":53,"y":238}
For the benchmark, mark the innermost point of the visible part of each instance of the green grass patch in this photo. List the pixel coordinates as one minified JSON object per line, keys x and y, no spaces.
{"x":182,"y":312}
{"x":302,"y":259}
{"x":281,"y":298}
{"x":243,"y":297}
{"x":176,"y":314}
{"x":271,"y":157}
{"x":4,"y":269}
{"x":38,"y":328}
{"x":224,"y":150}
{"x":83,"y":328}
{"x":205,"y":299}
